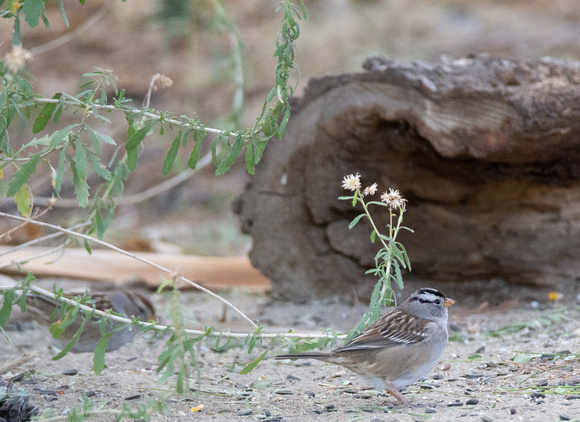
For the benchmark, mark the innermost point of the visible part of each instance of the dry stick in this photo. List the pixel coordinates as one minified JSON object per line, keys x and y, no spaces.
{"x":72,"y":34}
{"x":35,"y":241}
{"x":137,"y":197}
{"x":94,"y":311}
{"x":131,"y":255}
{"x":147,"y":324}
{"x":16,"y":362}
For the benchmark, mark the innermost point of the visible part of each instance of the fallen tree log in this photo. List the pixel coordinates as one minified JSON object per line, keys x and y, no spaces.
{"x":487,"y":152}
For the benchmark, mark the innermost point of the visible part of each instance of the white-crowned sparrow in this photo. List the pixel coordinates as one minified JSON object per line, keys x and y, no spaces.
{"x":128,"y":303}
{"x":398,"y":349}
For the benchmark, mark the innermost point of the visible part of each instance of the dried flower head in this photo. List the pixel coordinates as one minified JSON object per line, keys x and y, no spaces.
{"x":370,"y":190}
{"x":161,"y":80}
{"x":17,"y":58}
{"x":393,"y":199}
{"x":351,"y":182}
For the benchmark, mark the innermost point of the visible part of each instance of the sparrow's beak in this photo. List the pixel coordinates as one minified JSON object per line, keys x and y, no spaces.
{"x":448,"y":302}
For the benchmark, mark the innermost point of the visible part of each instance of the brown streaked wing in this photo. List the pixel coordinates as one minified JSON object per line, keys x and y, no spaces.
{"x":394,"y":329}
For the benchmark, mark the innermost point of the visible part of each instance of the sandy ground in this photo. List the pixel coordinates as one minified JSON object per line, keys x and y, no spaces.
{"x":477,"y":379}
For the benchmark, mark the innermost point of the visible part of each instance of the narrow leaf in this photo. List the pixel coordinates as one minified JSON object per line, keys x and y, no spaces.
{"x":171,"y":155}
{"x":22,"y":175}
{"x":97,"y":166}
{"x":250,"y":367}
{"x":22,"y":199}
{"x":72,"y":342}
{"x":99,"y":357}
{"x":6,"y":309}
{"x":57,"y":182}
{"x":235,"y":151}
{"x":356,"y":220}
{"x":43,"y":117}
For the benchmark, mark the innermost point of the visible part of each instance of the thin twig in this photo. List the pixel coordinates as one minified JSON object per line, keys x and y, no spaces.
{"x":60,"y":248}
{"x":141,"y":196}
{"x":72,"y":101}
{"x":72,"y":34}
{"x":156,"y":326}
{"x":39,"y":240}
{"x":132,"y":255}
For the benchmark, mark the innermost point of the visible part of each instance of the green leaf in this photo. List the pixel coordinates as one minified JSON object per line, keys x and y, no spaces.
{"x":97,"y":166}
{"x":44,"y":116}
{"x":63,"y":13}
{"x":171,"y":155}
{"x":235,"y":151}
{"x":99,"y":357}
{"x":72,"y":342}
{"x":250,"y":367}
{"x":80,"y":159}
{"x":6,"y":310}
{"x":16,"y":36}
{"x":356,"y":220}
{"x":60,"y":172}
{"x":198,"y":136}
{"x":135,"y":139}
{"x":22,"y":175}
{"x":22,"y":199}
{"x":524,"y":357}
{"x":80,"y":184}
{"x":33,"y":10}
{"x":132,"y":156}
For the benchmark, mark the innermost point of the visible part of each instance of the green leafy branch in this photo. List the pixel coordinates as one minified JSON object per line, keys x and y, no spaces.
{"x":392,"y":257}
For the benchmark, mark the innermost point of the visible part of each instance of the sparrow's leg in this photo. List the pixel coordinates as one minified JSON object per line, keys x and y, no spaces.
{"x":392,"y":390}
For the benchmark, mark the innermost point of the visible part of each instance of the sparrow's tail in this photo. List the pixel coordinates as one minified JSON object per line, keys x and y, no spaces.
{"x":311,"y":355}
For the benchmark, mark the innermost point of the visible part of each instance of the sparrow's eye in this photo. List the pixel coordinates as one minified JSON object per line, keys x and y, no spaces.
{"x":437,"y":302}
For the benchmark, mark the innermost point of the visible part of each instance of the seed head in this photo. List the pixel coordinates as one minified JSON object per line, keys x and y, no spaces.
{"x":351,"y":182}
{"x":370,"y":190}
{"x":393,"y":199}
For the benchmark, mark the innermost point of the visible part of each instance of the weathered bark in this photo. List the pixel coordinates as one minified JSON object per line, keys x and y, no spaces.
{"x":486,"y":151}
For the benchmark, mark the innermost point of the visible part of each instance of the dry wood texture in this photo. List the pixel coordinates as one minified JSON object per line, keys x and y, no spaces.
{"x":110,"y":266}
{"x":487,"y":152}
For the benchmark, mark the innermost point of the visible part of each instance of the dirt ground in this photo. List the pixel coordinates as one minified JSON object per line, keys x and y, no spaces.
{"x":477,"y":379}
{"x":482,"y":382}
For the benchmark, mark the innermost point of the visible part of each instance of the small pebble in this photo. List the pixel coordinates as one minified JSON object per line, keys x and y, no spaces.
{"x":454,"y":404}
{"x":319,"y":411}
{"x":133,"y":396}
{"x":47,"y":392}
{"x":481,"y":349}
{"x":70,"y":372}
{"x":513,"y":411}
{"x":564,"y":417}
{"x":542,"y":383}
{"x":486,"y":418}
{"x":310,"y":394}
{"x":330,"y":406}
{"x":446,"y":366}
{"x":244,"y":412}
{"x":367,"y":409}
{"x":51,"y":398}
{"x":284,"y":392}
{"x":573,"y":397}
{"x":437,"y":377}
{"x":471,"y":402}
{"x":292,"y":378}
{"x":536,"y":395}
{"x":430,"y":410}
{"x":474,"y":376}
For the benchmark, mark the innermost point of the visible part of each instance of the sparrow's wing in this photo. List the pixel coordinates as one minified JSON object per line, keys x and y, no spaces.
{"x":394,"y":329}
